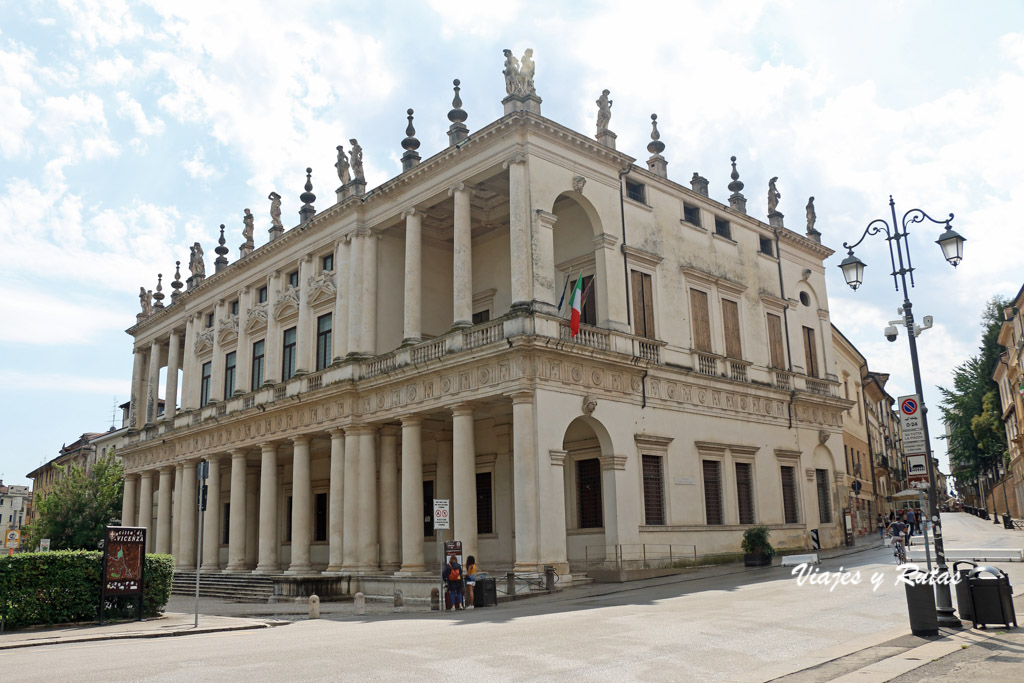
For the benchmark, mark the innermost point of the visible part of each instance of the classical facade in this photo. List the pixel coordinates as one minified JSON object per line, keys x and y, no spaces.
{"x":1009,"y":376}
{"x":15,"y":507}
{"x":410,"y":342}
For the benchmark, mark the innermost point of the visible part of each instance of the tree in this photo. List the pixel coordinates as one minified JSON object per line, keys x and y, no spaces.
{"x":971,"y":408}
{"x":80,"y":505}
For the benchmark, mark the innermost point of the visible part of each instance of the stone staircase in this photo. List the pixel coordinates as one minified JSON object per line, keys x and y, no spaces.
{"x":233,"y":587}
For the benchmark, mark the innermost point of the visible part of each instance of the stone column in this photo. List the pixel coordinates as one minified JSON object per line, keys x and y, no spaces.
{"x":252,"y":516}
{"x":236,"y":533}
{"x":339,"y":336}
{"x":412,"y":327}
{"x":217,"y":367}
{"x":462,"y":267}
{"x":137,"y":406}
{"x":355,"y":295}
{"x":519,"y":230}
{"x":303,"y":341}
{"x":243,"y":354}
{"x":173,"y":365}
{"x":412,"y":494}
{"x":367,"y":518}
{"x":211,"y":518}
{"x":464,"y":479}
{"x":153,"y":383}
{"x":301,"y":503}
{"x":336,"y":504}
{"x":272,"y":345}
{"x":544,"y":261}
{"x":146,"y":507}
{"x":176,"y":513}
{"x":187,"y":518}
{"x":188,"y":364}
{"x":128,"y":501}
{"x":389,"y":499}
{"x":370,"y":293}
{"x":611,"y":309}
{"x":350,"y":513}
{"x":163,"y":511}
{"x":524,"y":481}
{"x":443,"y":475}
{"x":612,"y":515}
{"x":268,"y":510}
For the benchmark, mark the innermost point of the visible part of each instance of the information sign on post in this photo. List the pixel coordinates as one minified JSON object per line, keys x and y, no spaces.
{"x":441,"y":514}
{"x":124,"y":560}
{"x":912,"y":426}
{"x":12,"y":539}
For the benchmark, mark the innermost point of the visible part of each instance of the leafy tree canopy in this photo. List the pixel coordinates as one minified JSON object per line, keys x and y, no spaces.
{"x":79,"y":506}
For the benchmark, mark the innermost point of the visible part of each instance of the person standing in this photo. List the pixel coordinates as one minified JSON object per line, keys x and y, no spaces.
{"x":470,"y":580}
{"x":910,"y":524}
{"x":881,"y":526}
{"x":453,"y":579}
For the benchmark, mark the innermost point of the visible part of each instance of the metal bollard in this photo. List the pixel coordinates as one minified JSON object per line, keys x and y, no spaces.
{"x":549,"y":577}
{"x":510,"y":586}
{"x":314,"y":606}
{"x":399,"y":600}
{"x":360,"y":602}
{"x":435,"y":599}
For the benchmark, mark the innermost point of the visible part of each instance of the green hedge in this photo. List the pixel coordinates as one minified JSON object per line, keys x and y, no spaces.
{"x":63,"y":586}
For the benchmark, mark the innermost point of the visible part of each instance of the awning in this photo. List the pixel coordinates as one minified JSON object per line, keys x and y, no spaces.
{"x":910,"y":494}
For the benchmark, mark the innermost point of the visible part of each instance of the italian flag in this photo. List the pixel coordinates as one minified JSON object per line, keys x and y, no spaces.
{"x":577,"y":307}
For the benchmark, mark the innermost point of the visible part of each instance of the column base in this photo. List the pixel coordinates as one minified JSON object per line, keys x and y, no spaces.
{"x":209,"y":570}
{"x":527,"y":567}
{"x":411,"y":341}
{"x":235,"y":569}
{"x":411,"y":570}
{"x":267,"y":569}
{"x":299,"y":569}
{"x":462,"y":324}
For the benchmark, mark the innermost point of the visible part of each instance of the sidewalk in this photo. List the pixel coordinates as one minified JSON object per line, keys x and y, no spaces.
{"x":170,"y":624}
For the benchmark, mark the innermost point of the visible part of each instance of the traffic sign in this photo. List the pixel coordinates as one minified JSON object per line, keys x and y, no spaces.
{"x":917,"y":471}
{"x":912,"y":425}
{"x":13,"y":538}
{"x":441,"y":514}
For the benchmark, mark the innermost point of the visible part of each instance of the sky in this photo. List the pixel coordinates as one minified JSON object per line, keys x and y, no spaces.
{"x":131,"y":130}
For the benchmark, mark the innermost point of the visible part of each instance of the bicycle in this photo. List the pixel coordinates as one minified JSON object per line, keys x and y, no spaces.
{"x":899,"y":550}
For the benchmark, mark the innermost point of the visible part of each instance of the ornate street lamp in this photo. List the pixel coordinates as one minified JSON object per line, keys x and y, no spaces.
{"x":952,"y":244}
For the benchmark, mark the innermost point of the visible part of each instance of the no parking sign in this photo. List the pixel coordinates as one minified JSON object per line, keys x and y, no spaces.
{"x":441,"y":514}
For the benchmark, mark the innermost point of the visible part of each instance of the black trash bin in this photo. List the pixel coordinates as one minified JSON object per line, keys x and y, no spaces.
{"x":991,"y":597}
{"x":1007,"y":522}
{"x":924,"y":620}
{"x":963,"y":592}
{"x":486,"y":593}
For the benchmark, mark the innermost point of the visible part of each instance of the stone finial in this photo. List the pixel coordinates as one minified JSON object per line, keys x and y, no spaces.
{"x":221,"y":262}
{"x":410,"y":144}
{"x":699,"y":184}
{"x":737,"y":201}
{"x":457,"y":132}
{"x":158,"y":295}
{"x":812,"y":218}
{"x":307,"y":211}
{"x":774,"y":215}
{"x":176,"y":284}
{"x":656,"y":164}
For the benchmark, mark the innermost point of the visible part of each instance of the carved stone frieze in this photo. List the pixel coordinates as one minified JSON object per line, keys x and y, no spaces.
{"x":321,"y":287}
{"x":204,"y":340}
{"x":256,"y":317}
{"x":228,"y":328}
{"x":287,"y":303}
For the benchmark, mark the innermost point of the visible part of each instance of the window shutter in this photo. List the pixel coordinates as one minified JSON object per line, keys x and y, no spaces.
{"x":654,"y":502}
{"x":636,"y":285}
{"x":588,"y":494}
{"x":810,"y":352}
{"x":775,"y":341}
{"x":713,"y":491}
{"x":824,"y":500}
{"x":701,"y":320}
{"x":745,"y":492}
{"x":789,"y":507}
{"x":731,"y":323}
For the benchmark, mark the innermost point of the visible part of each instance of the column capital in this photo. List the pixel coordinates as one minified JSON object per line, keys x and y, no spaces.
{"x":268,"y":447}
{"x":237,"y":453}
{"x":167,"y":469}
{"x":336,"y":433}
{"x":518,"y":158}
{"x":458,"y":187}
{"x":462,"y":409}
{"x":390,"y":430}
{"x":411,"y":211}
{"x":301,"y":439}
{"x":521,"y":396}
{"x":411,"y":420}
{"x":213,"y":457}
{"x":146,"y":474}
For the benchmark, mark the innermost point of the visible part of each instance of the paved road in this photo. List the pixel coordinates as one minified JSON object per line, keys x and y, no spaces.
{"x":738,"y":627}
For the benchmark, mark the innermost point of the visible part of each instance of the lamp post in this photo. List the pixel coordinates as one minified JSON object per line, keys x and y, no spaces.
{"x":952,"y":245}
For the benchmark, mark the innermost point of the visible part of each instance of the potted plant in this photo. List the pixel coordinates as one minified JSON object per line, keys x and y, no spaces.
{"x":758,"y":551}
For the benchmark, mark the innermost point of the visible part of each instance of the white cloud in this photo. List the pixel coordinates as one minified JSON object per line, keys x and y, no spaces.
{"x":196,"y":167}
{"x":100,"y":22}
{"x":16,"y":380}
{"x":111,"y":71}
{"x":33,"y":313}
{"x":132,"y":110}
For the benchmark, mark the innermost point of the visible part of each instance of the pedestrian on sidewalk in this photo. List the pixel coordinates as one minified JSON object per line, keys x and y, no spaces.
{"x":453,"y":579}
{"x":911,"y":522}
{"x":881,"y":526}
{"x":471,"y":571}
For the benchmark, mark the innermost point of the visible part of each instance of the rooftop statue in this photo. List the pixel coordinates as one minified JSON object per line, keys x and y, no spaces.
{"x":342,"y":165}
{"x":195,"y":263}
{"x":604,"y":111}
{"x":247,"y":231}
{"x":773,"y":196}
{"x":144,"y":301}
{"x":275,"y":209}
{"x":519,"y":75}
{"x":357,"y":159}
{"x":812,"y":216}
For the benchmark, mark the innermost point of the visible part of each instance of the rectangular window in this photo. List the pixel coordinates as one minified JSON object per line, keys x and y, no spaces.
{"x":777,"y":359}
{"x":204,"y":384}
{"x":209,"y":319}
{"x":745,"y":492}
{"x":588,"y":313}
{"x":323,"y":341}
{"x":320,"y":517}
{"x":789,"y":508}
{"x":766,"y":246}
{"x":824,"y":501}
{"x":654,"y":490}
{"x":288,"y":520}
{"x":731,"y":324}
{"x":229,"y":375}
{"x":226,"y":521}
{"x":261,"y":294}
{"x":484,"y":504}
{"x":327,"y":263}
{"x":810,"y":352}
{"x":588,"y":494}
{"x":635,"y":191}
{"x":701,"y":320}
{"x":691,"y":214}
{"x":643,"y":304}
{"x":481,"y":317}
{"x":258,"y":353}
{"x":713,"y":491}
{"x":428,"y":508}
{"x":234,"y":307}
{"x":723,"y":228}
{"x":288,"y":354}
{"x":293,"y":279}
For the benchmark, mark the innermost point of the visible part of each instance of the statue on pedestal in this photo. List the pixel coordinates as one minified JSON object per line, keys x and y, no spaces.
{"x":812,"y":216}
{"x":275,"y":210}
{"x":519,"y":75}
{"x":247,"y":232}
{"x":144,"y":301}
{"x":342,"y":165}
{"x":773,"y":196}
{"x":195,"y":263}
{"x":357,"y":159}
{"x":604,"y":111}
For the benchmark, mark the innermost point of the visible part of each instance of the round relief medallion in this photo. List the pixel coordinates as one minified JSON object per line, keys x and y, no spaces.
{"x":743,"y":403}
{"x":702,"y":396}
{"x":577,"y":375}
{"x":411,"y":393}
{"x":380,"y":400}
{"x":485,"y":376}
{"x":446,"y":385}
{"x":635,"y":383}
{"x":671,"y":391}
{"x":596,"y":377}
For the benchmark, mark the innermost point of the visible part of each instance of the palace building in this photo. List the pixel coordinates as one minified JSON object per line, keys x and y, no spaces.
{"x":413,"y":342}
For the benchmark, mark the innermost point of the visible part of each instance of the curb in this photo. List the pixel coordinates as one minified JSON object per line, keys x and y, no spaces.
{"x":137,"y":634}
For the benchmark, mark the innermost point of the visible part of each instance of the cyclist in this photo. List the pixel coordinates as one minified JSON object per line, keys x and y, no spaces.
{"x":896,"y":532}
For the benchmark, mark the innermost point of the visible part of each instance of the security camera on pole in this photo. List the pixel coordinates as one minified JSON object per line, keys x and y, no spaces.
{"x":952,"y":245}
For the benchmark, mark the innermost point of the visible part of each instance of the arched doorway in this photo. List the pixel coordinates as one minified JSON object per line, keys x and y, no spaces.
{"x":589,"y":502}
{"x":576,"y":255}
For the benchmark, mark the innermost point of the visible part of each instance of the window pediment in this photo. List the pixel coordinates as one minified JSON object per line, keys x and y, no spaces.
{"x":321,"y":287}
{"x":228,"y":328}
{"x":286,"y":303}
{"x":256,"y":317}
{"x":709,"y":280}
{"x":204,"y":340}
